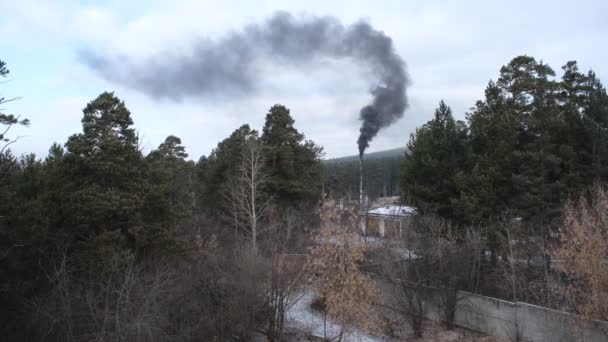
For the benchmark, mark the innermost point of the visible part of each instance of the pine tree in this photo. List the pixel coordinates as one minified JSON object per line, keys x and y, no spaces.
{"x":169,"y":202}
{"x":513,"y":144}
{"x":434,"y":155}
{"x":493,"y":135}
{"x":7,"y":121}
{"x":213,"y":172}
{"x":534,"y":143}
{"x":531,"y":93}
{"x":107,"y":177}
{"x":22,"y":229}
{"x":292,"y":163}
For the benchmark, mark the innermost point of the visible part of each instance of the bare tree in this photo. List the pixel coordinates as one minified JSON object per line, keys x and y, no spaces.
{"x":247,"y":199}
{"x":454,"y":261}
{"x":521,"y":268}
{"x":512,"y":260}
{"x":231,"y":198}
{"x":287,"y":271}
{"x":403,"y":270}
{"x":431,"y":253}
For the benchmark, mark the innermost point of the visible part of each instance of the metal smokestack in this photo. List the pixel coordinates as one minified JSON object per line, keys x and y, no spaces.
{"x":361,"y":181}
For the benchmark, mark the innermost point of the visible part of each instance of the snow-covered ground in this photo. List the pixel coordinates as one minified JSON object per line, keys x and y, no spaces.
{"x":301,"y":317}
{"x":307,"y":322}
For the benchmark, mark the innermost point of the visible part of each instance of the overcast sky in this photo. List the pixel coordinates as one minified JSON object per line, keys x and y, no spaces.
{"x":452,"y":49}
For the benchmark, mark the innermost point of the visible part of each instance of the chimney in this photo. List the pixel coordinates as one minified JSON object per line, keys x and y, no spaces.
{"x":361,"y":181}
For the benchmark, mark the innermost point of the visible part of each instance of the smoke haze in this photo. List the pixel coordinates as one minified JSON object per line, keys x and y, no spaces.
{"x":229,"y":64}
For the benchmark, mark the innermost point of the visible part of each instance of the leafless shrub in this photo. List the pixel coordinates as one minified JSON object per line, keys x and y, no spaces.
{"x":228,"y":291}
{"x":222,"y":295}
{"x":582,"y":254}
{"x":126,"y":303}
{"x":348,"y":295}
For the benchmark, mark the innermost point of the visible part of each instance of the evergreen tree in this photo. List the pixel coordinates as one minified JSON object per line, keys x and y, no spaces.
{"x":292,"y":163}
{"x":533,"y":142}
{"x":537,"y":188}
{"x":107,"y":185}
{"x":513,"y":145}
{"x":493,"y":136}
{"x":22,"y":233}
{"x":170,"y":201}
{"x":222,"y":164}
{"x":434,"y":155}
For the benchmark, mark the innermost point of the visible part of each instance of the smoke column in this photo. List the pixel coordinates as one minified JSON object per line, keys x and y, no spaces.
{"x":229,"y":64}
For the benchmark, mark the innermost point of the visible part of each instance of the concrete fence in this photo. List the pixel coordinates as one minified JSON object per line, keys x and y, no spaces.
{"x":514,"y":321}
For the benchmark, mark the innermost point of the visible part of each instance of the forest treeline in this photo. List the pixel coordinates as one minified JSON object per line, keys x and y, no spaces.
{"x":526,"y":175}
{"x":98,"y":218}
{"x":528,"y":146}
{"x":100,"y":241}
{"x":527,"y":172}
{"x":380,"y":175}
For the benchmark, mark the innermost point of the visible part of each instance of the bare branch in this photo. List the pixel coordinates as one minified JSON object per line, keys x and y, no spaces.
{"x":10,"y":143}
{"x":10,"y":100}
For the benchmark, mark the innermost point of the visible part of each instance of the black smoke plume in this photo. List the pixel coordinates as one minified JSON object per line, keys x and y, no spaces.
{"x":229,"y":64}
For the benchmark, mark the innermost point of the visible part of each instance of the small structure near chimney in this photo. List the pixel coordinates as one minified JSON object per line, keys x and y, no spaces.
{"x":387,"y":220}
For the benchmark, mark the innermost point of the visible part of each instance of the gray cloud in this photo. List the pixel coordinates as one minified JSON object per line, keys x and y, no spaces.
{"x":230,"y":65}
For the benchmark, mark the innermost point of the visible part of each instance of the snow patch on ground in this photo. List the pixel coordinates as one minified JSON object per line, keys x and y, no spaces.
{"x":301,"y":317}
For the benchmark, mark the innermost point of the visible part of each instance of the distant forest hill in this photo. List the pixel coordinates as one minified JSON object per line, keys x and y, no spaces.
{"x":380,"y":174}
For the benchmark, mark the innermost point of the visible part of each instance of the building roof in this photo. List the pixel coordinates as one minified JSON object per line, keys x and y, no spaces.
{"x":392,"y":211}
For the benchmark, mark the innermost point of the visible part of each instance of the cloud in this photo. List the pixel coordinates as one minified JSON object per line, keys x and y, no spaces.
{"x":452,"y":48}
